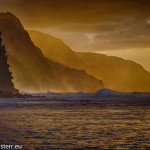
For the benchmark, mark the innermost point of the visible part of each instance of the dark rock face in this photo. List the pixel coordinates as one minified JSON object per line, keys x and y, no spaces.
{"x":6,"y":84}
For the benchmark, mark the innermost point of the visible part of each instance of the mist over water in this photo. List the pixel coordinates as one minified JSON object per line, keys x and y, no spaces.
{"x":86,"y":125}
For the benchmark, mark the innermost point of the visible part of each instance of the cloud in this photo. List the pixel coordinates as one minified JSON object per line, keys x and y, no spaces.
{"x":52,"y":13}
{"x":116,"y":24}
{"x":128,"y":34}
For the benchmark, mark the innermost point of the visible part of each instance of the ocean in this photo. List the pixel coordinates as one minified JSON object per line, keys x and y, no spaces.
{"x":75,"y":125}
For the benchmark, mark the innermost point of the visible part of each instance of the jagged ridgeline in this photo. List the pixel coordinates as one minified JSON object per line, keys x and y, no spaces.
{"x":6,"y":84}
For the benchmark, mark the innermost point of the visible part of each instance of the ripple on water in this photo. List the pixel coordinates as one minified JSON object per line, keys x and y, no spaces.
{"x":75,"y":125}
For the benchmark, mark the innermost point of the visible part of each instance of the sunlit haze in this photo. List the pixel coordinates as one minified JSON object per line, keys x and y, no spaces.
{"x":117,"y":28}
{"x":97,"y":26}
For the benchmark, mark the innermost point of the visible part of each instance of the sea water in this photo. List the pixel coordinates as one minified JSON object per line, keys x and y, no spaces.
{"x":77,"y":125}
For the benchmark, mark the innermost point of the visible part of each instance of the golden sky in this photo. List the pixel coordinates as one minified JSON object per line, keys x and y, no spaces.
{"x":113,"y":27}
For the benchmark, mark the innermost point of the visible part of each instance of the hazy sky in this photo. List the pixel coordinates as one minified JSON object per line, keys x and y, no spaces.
{"x":114,"y":27}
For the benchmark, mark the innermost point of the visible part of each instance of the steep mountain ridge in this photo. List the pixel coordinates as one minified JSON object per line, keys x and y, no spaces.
{"x":57,"y":48}
{"x":32,"y":71}
{"x":116,"y":73}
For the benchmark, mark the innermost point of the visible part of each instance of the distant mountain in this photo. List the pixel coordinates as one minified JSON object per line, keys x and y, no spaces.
{"x":117,"y":74}
{"x":34,"y":72}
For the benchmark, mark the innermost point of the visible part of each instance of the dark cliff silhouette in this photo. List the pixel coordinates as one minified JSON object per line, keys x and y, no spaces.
{"x":6,"y":84}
